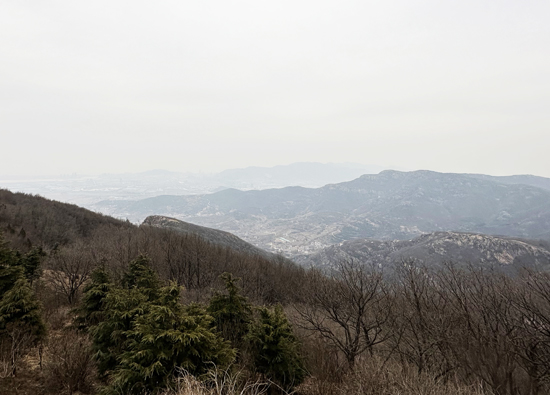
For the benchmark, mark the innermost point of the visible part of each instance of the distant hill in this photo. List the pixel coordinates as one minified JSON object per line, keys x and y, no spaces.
{"x":213,"y":236}
{"x":525,"y":179}
{"x":390,"y":205}
{"x":86,"y":190}
{"x":305,"y":174}
{"x":434,"y":249}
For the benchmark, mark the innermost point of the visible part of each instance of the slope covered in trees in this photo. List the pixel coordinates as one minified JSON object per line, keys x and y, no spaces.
{"x":37,"y":220}
{"x":126,"y":309}
{"x":66,"y":250}
{"x":77,"y":240}
{"x":214,"y":236}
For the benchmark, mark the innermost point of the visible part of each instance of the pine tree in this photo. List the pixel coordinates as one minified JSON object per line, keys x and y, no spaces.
{"x":91,"y":311}
{"x":12,"y":264}
{"x":31,"y":264}
{"x":21,"y":323}
{"x":9,"y":268}
{"x":110,"y":336}
{"x":166,"y":337}
{"x":275,"y":348}
{"x":140,"y":275}
{"x":231,"y":311}
{"x":120,"y":307}
{"x":145,"y":334}
{"x":6,"y":253}
{"x":19,"y":307}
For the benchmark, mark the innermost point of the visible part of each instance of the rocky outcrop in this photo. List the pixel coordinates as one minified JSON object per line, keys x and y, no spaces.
{"x":434,"y":249}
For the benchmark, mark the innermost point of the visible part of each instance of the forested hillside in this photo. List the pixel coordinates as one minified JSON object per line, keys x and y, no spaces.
{"x":190,"y":260}
{"x":59,"y":254}
{"x":215,"y":236}
{"x":48,"y":223}
{"x":93,"y":305}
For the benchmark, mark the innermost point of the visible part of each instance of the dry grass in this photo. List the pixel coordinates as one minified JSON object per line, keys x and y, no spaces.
{"x":374,"y":376}
{"x":223,"y":382}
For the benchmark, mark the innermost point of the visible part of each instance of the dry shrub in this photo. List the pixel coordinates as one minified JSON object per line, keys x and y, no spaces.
{"x":374,"y":376}
{"x":68,"y":364}
{"x":55,"y":311}
{"x":5,"y":368}
{"x":222,"y":382}
{"x":59,"y":319}
{"x":326,"y":366}
{"x":322,"y":359}
{"x":188,"y":385}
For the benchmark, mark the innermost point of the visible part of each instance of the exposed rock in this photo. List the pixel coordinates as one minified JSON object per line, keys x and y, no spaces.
{"x":435,"y":249}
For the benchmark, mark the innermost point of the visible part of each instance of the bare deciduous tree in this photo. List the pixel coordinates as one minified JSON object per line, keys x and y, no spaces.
{"x":421,"y":322}
{"x":69,"y":269}
{"x":532,"y":300}
{"x":347,"y":308}
{"x":484,"y":324}
{"x":17,"y":340}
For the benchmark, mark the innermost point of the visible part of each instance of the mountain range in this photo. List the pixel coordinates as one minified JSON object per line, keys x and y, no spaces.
{"x":86,"y":190}
{"x":391,"y":205}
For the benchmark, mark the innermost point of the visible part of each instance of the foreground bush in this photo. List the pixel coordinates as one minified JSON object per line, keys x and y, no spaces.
{"x":146,"y":334}
{"x":275,"y":349}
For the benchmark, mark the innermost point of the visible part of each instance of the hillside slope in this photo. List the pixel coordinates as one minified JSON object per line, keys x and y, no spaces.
{"x":214,"y":236}
{"x":76,"y":240}
{"x":47,"y":222}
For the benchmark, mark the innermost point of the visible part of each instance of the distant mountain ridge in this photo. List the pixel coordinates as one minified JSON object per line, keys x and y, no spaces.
{"x":86,"y":190}
{"x":306,"y":174}
{"x":526,"y":179}
{"x":389,"y":205}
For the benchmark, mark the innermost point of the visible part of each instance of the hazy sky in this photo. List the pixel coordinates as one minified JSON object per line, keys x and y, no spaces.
{"x":117,"y":86}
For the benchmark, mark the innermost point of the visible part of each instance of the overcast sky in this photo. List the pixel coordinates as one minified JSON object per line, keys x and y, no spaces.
{"x":126,"y":86}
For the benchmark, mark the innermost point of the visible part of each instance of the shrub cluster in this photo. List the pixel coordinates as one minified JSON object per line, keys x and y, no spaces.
{"x":142,"y":335}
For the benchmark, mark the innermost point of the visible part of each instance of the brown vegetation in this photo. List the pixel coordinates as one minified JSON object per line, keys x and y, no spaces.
{"x":419,"y":331}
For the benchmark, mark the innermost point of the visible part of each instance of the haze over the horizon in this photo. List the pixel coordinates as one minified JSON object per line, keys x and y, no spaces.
{"x":120,"y":86}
